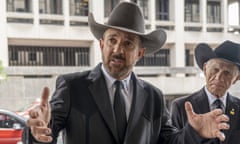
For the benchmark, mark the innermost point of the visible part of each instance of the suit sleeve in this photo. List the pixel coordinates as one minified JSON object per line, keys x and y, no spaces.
{"x":178,"y":114}
{"x":169,"y":134}
{"x":60,"y":104}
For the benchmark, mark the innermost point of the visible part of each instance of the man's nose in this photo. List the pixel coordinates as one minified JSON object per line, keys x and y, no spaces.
{"x":118,"y":48}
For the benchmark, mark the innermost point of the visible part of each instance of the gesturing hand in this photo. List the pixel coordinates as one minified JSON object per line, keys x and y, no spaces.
{"x":40,"y":118}
{"x":208,"y":125}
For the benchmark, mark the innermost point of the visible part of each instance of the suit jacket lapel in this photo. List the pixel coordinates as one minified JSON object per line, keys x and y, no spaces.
{"x":232,"y":110}
{"x":198,"y":101}
{"x":139,"y":98}
{"x":100,"y":95}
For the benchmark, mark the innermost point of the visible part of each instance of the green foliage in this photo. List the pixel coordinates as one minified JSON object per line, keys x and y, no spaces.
{"x":2,"y":75}
{"x":1,"y":67}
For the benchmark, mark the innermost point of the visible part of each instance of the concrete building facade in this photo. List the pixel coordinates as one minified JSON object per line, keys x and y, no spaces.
{"x":41,"y":39}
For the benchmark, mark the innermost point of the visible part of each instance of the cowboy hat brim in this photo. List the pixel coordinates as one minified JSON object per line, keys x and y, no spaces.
{"x":152,"y":41}
{"x":203,"y":53}
{"x":227,"y":51}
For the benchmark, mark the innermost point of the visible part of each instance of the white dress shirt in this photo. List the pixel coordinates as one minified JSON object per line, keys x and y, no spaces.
{"x":127,"y":89}
{"x":212,"y":98}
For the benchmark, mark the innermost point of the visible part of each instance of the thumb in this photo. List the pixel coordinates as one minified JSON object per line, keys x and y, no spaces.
{"x":189,"y":110}
{"x":45,"y":96}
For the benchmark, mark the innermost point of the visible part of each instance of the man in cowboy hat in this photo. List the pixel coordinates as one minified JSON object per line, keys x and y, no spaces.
{"x":221,"y":69}
{"x":110,"y":104}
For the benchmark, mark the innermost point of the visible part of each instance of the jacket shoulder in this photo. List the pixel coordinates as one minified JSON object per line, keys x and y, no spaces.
{"x":191,"y":97}
{"x":74,"y":76}
{"x":149,"y":87}
{"x":235,"y":99}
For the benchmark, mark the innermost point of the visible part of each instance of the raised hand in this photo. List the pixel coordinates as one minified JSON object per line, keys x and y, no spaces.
{"x":40,"y":118}
{"x":208,"y":125}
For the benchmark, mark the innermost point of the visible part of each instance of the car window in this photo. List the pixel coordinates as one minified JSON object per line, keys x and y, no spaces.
{"x":9,"y":122}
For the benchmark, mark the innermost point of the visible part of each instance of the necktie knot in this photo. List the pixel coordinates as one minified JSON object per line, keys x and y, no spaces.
{"x":117,"y":84}
{"x":218,"y":104}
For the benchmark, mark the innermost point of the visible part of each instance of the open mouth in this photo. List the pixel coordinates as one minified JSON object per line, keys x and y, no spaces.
{"x":117,"y":61}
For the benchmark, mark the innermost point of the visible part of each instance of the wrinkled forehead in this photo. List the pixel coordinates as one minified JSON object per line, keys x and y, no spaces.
{"x":118,"y":33}
{"x":222,"y":63}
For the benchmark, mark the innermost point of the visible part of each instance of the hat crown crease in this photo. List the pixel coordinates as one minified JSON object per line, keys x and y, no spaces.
{"x":128,"y":17}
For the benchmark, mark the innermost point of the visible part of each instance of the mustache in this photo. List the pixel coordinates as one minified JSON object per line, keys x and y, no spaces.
{"x":118,"y":56}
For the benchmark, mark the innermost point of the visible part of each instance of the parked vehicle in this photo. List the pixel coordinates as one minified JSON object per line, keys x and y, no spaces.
{"x":11,"y":127}
{"x":24,"y":112}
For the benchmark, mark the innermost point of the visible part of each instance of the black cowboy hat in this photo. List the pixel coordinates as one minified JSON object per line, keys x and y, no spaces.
{"x":228,"y":51}
{"x":127,"y":16}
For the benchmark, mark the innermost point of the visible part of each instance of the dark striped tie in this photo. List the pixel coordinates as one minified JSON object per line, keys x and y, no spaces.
{"x":218,"y":104}
{"x":120,"y":112}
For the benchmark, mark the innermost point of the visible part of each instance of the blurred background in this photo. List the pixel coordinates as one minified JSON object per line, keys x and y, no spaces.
{"x":42,"y":39}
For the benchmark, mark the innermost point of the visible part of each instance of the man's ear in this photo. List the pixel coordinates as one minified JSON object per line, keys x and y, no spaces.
{"x":237,"y":78}
{"x":204,"y":68}
{"x":101,"y":43}
{"x":141,"y":53}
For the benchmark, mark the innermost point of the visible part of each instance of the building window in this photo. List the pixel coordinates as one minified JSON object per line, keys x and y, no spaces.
{"x":214,"y":29}
{"x":20,"y":20}
{"x":162,"y":9}
{"x":50,"y":7}
{"x":234,"y":13}
{"x":144,"y":7}
{"x":48,"y":56}
{"x":78,"y":7}
{"x":51,"y":22}
{"x":192,"y":11}
{"x":108,"y":6}
{"x":191,"y":28}
{"x":213,"y":11}
{"x":189,"y":57}
{"x":159,"y":58}
{"x":234,"y":17}
{"x":13,"y":57}
{"x":32,"y":56}
{"x":19,"y":6}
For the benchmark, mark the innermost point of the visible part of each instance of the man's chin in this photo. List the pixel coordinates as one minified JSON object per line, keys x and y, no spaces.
{"x":218,"y":93}
{"x":116,"y":67}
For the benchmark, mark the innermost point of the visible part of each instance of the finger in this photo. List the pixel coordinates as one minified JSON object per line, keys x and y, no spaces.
{"x":220,"y":135}
{"x":36,"y":131}
{"x":223,"y":126}
{"x":33,"y":113}
{"x":44,"y":138}
{"x":35,"y":122}
{"x":222,"y":118}
{"x":189,"y":110}
{"x":41,"y":134}
{"x":45,"y":95}
{"x":216,"y":112}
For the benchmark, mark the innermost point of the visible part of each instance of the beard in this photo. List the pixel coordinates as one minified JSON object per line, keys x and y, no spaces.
{"x":117,"y":66}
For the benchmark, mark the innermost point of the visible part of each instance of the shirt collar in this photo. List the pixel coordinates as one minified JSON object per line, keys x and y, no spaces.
{"x":212,"y":98}
{"x":110,"y":80}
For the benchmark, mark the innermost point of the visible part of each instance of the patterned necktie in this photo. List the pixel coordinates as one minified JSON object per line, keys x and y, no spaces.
{"x":120,"y":112}
{"x":218,"y":104}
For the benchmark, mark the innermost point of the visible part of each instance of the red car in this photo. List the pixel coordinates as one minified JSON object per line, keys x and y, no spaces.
{"x":11,"y":127}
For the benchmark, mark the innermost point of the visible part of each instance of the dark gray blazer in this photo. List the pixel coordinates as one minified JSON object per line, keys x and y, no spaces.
{"x":81,"y":108}
{"x":200,"y":104}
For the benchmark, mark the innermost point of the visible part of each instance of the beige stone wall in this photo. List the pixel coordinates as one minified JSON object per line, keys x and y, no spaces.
{"x":17,"y":92}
